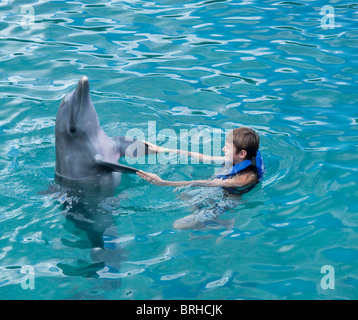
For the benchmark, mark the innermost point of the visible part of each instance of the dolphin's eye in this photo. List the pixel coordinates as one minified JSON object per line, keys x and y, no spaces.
{"x":72,"y":129}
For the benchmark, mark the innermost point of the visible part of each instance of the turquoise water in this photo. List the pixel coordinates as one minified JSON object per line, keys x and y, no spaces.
{"x":202,"y":64}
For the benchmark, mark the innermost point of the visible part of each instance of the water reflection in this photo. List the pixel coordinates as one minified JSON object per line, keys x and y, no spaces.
{"x":93,"y":226}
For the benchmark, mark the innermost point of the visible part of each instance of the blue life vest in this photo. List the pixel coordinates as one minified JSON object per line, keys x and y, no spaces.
{"x":257,"y":162}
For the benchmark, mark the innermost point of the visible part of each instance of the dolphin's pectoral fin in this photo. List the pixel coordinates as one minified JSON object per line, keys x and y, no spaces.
{"x":114,"y":166}
{"x":131,"y":147}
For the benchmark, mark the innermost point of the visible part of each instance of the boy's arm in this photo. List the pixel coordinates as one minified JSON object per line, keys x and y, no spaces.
{"x":157,"y":149}
{"x":239,"y":181}
{"x":199,"y":156}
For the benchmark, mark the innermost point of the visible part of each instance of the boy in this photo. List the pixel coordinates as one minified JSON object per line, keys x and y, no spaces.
{"x":243,"y":168}
{"x":241,"y":145}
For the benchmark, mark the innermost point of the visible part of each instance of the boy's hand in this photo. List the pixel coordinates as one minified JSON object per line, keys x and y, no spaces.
{"x":154,"y":148}
{"x":151,"y":177}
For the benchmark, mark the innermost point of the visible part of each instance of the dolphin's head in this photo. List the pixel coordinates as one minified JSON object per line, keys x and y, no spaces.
{"x":76,"y":114}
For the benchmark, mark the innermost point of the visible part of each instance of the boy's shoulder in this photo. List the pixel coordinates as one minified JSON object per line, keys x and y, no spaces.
{"x":251,"y":169}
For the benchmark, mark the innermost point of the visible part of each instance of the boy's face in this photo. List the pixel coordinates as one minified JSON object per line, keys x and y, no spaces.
{"x":231,"y":153}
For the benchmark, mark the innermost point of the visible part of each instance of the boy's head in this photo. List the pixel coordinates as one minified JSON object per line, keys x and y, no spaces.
{"x":241,"y":144}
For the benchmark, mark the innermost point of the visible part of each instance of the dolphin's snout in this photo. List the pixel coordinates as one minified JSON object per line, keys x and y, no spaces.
{"x":84,"y":80}
{"x":79,"y":106}
{"x":83,"y":84}
{"x":82,"y":89}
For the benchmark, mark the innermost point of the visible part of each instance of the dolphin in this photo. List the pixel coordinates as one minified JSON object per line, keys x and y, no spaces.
{"x":88,"y":169}
{"x":85,"y":155}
